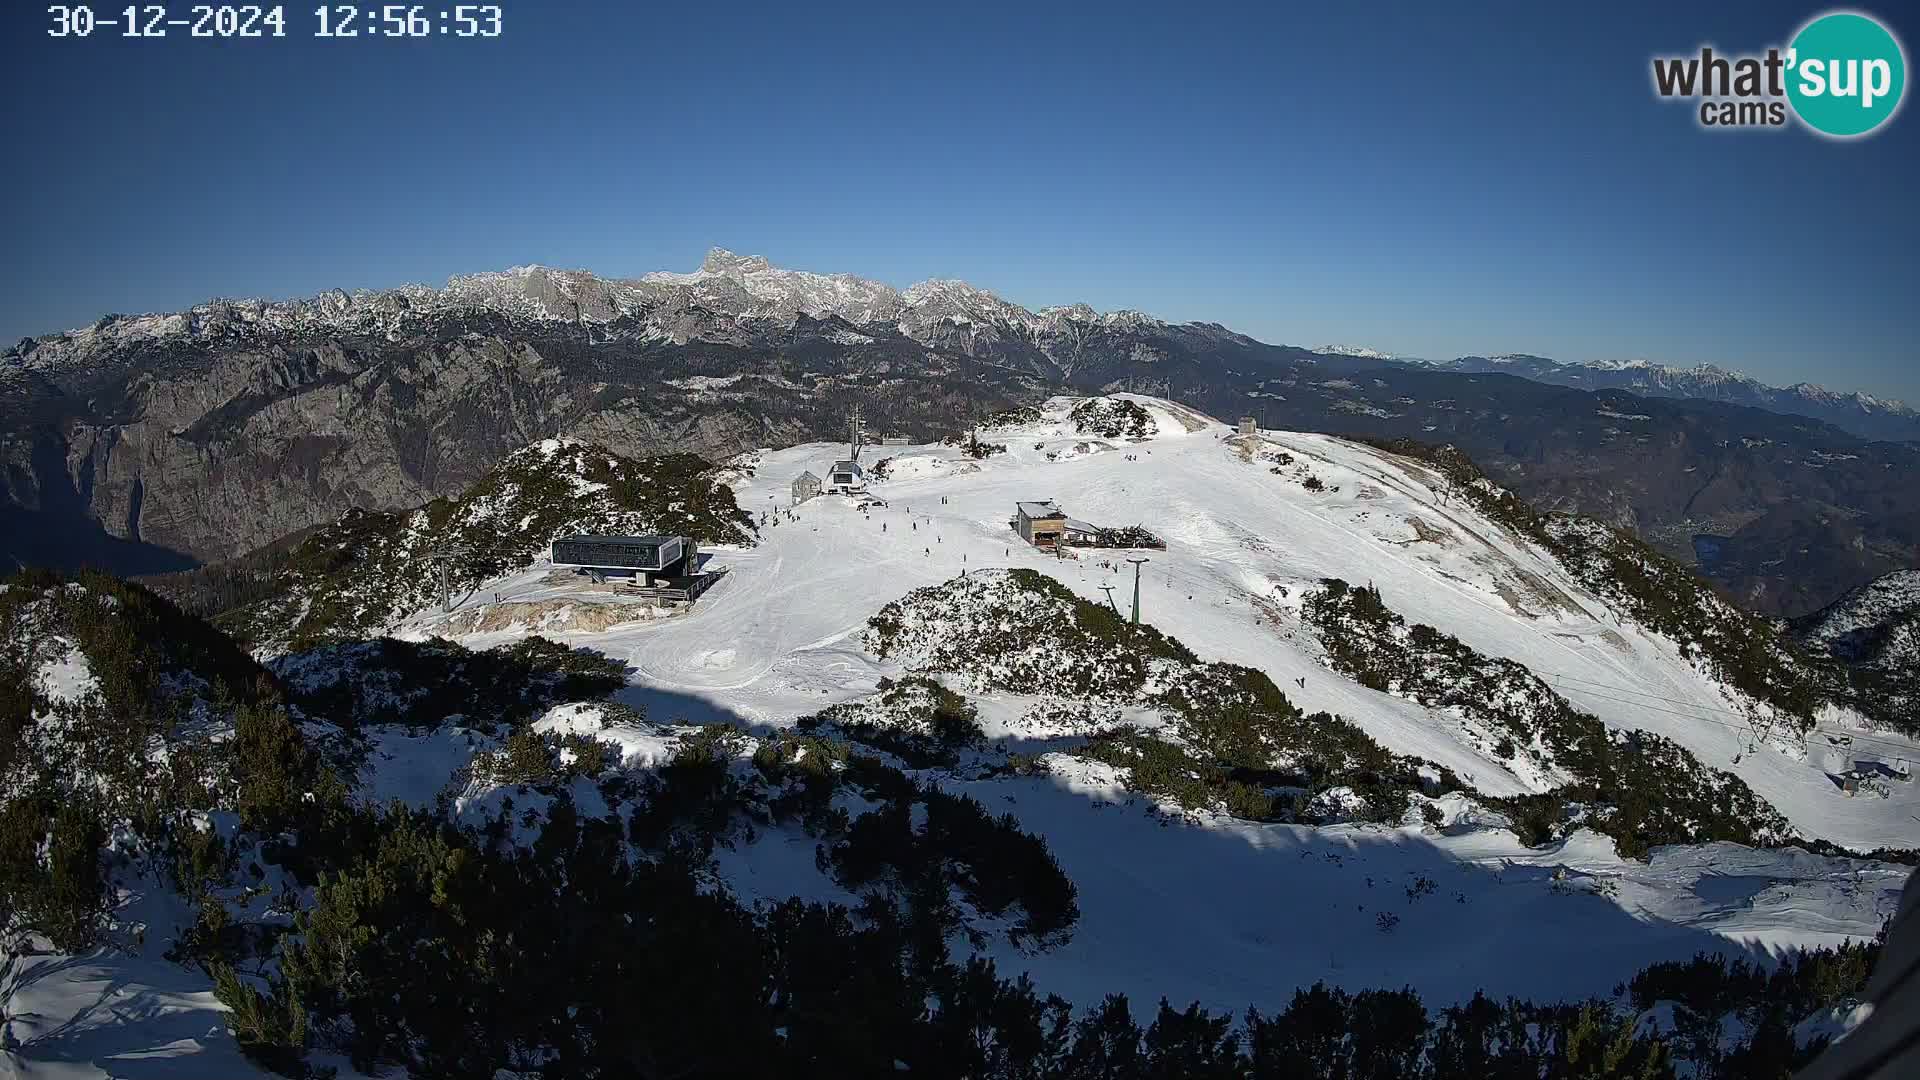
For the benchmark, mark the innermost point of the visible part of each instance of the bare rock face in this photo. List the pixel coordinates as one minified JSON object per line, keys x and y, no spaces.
{"x":200,"y":450}
{"x":144,"y":442}
{"x":256,"y":446}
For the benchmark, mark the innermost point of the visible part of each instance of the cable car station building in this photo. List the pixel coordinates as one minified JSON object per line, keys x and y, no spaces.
{"x":662,"y":567}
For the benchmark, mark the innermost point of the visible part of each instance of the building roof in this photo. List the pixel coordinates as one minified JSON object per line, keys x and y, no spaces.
{"x":1076,"y":525}
{"x":1041,"y":510}
{"x":847,"y":465}
{"x":808,"y":475}
{"x":598,"y":539}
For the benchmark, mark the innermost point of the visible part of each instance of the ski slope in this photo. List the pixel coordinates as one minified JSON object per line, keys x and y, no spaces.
{"x":1229,"y":912}
{"x":1190,"y":907}
{"x":779,"y":638}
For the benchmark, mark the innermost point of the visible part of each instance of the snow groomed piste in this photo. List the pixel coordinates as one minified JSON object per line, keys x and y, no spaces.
{"x":1215,"y":909}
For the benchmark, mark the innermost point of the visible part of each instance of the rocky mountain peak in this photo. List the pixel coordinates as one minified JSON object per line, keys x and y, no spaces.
{"x":721,"y":261}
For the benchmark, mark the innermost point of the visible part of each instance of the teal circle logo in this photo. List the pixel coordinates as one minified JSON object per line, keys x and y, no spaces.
{"x":1845,"y":74}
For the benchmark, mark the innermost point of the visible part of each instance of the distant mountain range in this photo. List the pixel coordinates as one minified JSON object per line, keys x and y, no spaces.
{"x":670,"y":307}
{"x":1862,"y":414}
{"x":154,"y":442}
{"x":1360,"y":351}
{"x":1865,"y":415}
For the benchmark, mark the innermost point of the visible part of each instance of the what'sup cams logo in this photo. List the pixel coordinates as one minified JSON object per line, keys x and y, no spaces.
{"x":1843,"y":76}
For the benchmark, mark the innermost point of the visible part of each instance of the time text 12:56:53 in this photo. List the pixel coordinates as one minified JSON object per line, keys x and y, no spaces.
{"x":409,"y":20}
{"x":259,"y":21}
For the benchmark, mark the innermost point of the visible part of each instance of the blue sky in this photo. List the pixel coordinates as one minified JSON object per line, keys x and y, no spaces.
{"x":1435,"y":182}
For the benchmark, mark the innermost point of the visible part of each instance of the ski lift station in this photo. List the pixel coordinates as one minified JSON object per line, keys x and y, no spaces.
{"x":846,"y":477}
{"x":1041,"y":524}
{"x":661,"y":567}
{"x":1045,"y":525}
{"x":1872,"y":776}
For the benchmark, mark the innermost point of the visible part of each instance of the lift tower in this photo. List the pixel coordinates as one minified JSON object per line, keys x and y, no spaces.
{"x":1136,"y":589}
{"x":444,"y":555}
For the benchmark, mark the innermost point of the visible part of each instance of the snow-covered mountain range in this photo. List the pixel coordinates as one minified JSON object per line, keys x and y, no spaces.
{"x":1361,"y":351}
{"x":657,"y":306}
{"x":1863,"y":414}
{"x":669,"y":306}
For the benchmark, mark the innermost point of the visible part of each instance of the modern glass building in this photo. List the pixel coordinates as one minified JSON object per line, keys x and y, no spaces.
{"x":661,"y":554}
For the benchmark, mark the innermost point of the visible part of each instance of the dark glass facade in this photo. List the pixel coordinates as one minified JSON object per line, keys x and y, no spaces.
{"x":626,"y":552}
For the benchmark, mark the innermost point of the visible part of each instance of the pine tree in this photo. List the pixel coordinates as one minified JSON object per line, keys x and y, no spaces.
{"x":1192,"y":1045}
{"x":1599,"y":1047}
{"x":1106,"y":1044}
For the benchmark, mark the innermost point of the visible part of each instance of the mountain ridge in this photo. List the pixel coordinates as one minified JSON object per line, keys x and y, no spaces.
{"x":1874,"y":630}
{"x":750,"y":286}
{"x":1867,"y":415}
{"x":156,"y":442}
{"x":745,"y":286}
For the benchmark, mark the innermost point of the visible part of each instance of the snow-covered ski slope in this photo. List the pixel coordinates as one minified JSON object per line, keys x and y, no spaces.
{"x":1193,"y":908}
{"x":1209,"y":908}
{"x":780,"y":637}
